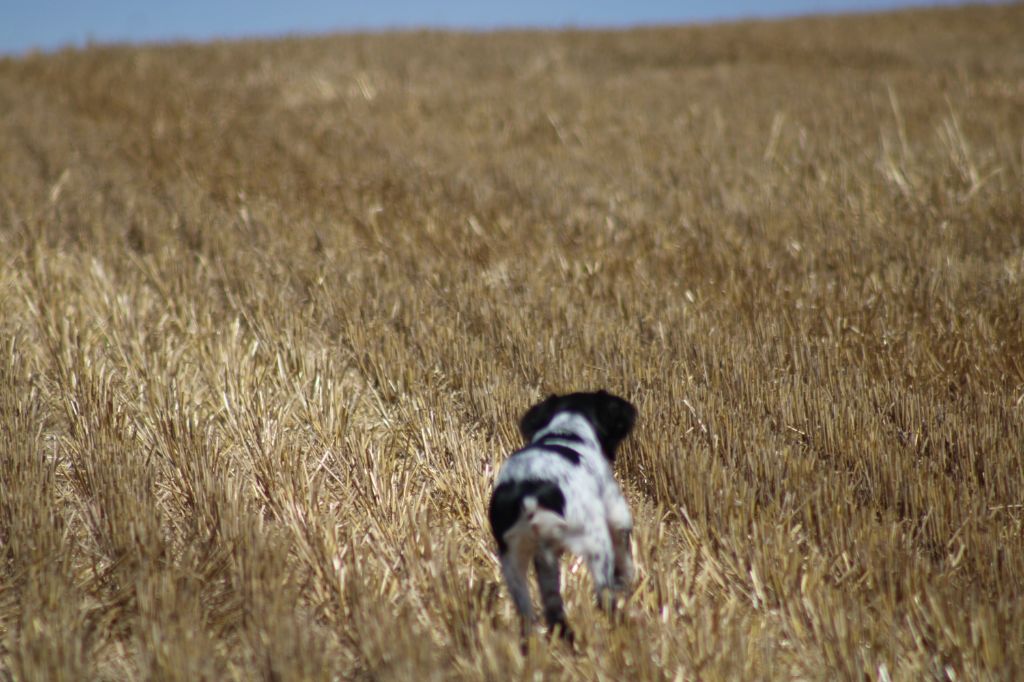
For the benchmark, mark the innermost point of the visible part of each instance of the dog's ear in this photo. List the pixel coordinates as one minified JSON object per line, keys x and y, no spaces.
{"x":537,"y":417}
{"x":613,"y":418}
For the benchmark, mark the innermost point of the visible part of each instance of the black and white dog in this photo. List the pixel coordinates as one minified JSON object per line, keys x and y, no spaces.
{"x":558,"y":495}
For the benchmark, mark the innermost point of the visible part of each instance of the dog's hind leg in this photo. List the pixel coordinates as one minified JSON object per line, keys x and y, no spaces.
{"x":514,"y":567}
{"x":546,"y":561}
{"x":624,"y":570}
{"x":601,"y":563}
{"x":620,"y":526}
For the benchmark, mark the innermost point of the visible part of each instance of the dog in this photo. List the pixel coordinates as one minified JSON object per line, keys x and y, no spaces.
{"x":558,"y":494}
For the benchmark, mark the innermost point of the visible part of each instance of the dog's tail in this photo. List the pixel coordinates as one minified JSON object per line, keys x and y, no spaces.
{"x":536,"y":505}
{"x":547,"y":525}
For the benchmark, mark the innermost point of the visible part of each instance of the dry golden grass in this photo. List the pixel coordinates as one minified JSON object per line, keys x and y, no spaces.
{"x":269,"y":312}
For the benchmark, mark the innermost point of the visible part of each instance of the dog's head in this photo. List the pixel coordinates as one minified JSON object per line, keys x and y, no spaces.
{"x":611,"y":416}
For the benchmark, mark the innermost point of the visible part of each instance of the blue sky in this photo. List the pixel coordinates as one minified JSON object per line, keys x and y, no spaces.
{"x":50,"y":24}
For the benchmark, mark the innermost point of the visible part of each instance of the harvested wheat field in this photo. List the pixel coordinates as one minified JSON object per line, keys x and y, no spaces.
{"x":270,"y":311}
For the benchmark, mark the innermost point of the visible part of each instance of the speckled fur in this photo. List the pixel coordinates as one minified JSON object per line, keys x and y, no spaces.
{"x":558,"y":494}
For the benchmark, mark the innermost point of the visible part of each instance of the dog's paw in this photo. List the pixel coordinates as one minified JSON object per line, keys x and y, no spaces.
{"x":562,"y":631}
{"x":622,"y":580}
{"x":622,"y":586}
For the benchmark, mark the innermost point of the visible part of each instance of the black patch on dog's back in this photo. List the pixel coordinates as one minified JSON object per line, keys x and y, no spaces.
{"x":507,"y":504}
{"x":566,"y":452}
{"x":556,"y":435}
{"x":562,"y":450}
